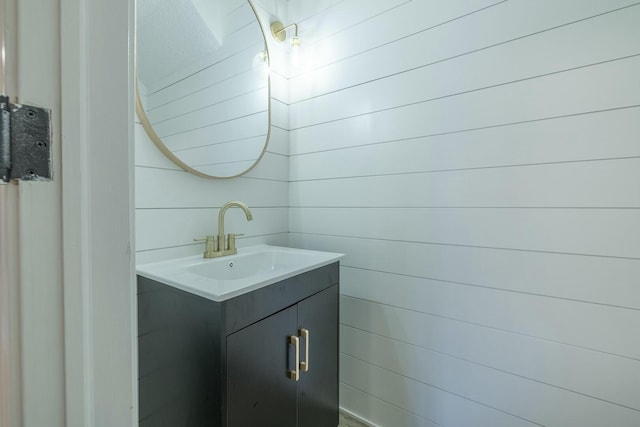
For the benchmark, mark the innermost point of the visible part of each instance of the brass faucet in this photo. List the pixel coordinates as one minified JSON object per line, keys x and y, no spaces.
{"x":224,"y":245}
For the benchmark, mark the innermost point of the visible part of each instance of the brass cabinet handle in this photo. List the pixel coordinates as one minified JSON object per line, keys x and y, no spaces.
{"x":304,"y":366}
{"x":295,"y":374}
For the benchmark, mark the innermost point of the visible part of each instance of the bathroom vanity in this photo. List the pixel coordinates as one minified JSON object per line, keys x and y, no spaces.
{"x":264,"y":354}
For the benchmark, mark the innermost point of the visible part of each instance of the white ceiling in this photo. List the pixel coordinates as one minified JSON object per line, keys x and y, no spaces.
{"x":172,"y":33}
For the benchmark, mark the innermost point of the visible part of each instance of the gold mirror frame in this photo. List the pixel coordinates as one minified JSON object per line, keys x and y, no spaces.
{"x":146,"y":124}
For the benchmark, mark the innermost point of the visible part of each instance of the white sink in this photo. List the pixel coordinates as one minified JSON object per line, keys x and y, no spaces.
{"x":223,"y":278}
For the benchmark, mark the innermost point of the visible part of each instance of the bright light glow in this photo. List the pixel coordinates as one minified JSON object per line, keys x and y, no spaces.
{"x":295,"y":51}
{"x":3,"y":70}
{"x":261,"y":60}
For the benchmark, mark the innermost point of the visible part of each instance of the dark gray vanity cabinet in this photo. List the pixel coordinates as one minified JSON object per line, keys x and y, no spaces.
{"x":229,"y":363}
{"x":259,"y":391}
{"x":260,"y":358}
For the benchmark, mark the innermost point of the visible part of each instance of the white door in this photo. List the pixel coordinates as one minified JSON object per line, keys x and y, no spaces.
{"x":32,"y":320}
{"x":9,"y":356}
{"x":66,"y":280}
{"x":9,"y":315}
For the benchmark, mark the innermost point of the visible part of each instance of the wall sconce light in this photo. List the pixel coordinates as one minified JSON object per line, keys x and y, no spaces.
{"x":279,"y":33}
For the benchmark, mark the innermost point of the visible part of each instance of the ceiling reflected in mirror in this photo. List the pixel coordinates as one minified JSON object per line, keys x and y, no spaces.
{"x":203,"y":83}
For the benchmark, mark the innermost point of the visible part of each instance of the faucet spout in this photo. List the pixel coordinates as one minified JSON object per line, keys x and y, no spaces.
{"x":223,"y":211}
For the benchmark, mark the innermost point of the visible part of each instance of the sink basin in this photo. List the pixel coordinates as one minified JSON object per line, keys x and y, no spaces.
{"x":223,"y":278}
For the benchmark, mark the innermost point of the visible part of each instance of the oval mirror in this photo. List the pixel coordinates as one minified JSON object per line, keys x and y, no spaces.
{"x":203,"y":83}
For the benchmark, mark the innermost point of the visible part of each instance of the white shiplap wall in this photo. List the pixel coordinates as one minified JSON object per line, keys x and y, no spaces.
{"x":173,"y":206}
{"x":478,"y":162}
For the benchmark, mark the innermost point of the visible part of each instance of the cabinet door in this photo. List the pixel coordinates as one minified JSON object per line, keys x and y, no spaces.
{"x":259,"y":390}
{"x":318,"y":387}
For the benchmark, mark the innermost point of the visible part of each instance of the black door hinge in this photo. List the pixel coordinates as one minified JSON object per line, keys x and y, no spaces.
{"x":25,"y":142}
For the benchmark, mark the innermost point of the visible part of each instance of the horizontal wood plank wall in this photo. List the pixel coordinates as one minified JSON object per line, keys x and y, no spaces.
{"x":173,"y":206}
{"x":478,"y":162}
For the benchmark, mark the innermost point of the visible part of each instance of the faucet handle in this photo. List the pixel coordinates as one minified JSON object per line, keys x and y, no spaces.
{"x":231,"y":241}
{"x":209,"y":246}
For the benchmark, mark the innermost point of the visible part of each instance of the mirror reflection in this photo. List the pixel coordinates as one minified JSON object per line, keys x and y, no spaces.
{"x":203,"y":83}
